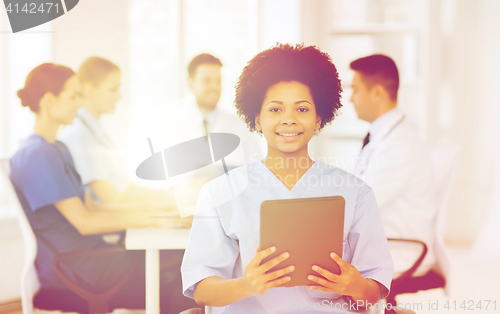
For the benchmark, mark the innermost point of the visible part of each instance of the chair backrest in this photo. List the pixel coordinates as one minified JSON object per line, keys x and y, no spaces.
{"x":29,"y":278}
{"x":445,"y":158}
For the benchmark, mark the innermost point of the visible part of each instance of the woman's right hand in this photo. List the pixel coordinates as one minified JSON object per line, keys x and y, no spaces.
{"x":256,"y":281}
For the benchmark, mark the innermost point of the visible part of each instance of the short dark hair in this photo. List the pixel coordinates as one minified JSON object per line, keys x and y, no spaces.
{"x":204,"y":58}
{"x":95,"y":69}
{"x":45,"y":78}
{"x":378,"y":69}
{"x":286,"y":63}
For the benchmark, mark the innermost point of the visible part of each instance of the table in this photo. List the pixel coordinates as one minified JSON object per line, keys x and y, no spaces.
{"x":153,"y":240}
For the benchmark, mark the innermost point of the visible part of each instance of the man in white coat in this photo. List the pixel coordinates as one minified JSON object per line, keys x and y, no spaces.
{"x":205,"y":83}
{"x":394,"y":161}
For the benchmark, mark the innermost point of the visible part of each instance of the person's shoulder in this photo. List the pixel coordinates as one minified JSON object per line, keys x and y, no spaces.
{"x":406,"y":132}
{"x":330,"y":170}
{"x":342,"y":179}
{"x":32,"y":146}
{"x":34,"y":151}
{"x":404,"y":140}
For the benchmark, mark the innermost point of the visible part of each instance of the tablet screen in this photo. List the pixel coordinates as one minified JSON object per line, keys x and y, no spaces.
{"x":309,"y":229}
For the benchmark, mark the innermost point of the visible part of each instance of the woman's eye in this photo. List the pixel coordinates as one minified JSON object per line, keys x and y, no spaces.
{"x":303,"y":110}
{"x":274,"y":109}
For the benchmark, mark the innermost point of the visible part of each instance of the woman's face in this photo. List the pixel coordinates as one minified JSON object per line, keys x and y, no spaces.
{"x":288,"y":118}
{"x":64,"y":106}
{"x":107,"y":93}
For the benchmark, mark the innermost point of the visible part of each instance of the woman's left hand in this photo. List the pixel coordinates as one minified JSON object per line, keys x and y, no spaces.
{"x":349,"y":282}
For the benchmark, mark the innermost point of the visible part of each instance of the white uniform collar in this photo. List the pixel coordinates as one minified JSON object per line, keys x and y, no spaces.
{"x":383,"y":124}
{"x":297,"y":191}
{"x":93,"y":125}
{"x":211,"y":118}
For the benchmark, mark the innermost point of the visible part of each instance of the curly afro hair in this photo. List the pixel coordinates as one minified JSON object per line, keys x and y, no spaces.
{"x":286,"y":63}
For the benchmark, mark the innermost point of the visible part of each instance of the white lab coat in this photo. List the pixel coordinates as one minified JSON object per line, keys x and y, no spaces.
{"x":220,"y":121}
{"x":396,"y":165}
{"x":176,"y":123}
{"x":93,"y":152}
{"x":173,"y":124}
{"x":225,"y":234}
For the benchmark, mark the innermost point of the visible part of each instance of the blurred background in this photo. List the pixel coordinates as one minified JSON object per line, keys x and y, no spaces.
{"x":447,"y":52}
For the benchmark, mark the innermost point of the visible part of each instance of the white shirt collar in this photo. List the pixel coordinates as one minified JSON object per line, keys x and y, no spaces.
{"x":384,"y":123}
{"x":93,"y":125}
{"x":211,"y":117}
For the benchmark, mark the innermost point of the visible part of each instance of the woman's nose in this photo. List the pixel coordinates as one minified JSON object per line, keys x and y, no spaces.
{"x":288,"y":117}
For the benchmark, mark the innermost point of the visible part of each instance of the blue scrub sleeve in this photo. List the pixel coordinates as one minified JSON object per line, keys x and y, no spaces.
{"x":209,"y":252}
{"x":44,"y":181}
{"x":367,"y":240}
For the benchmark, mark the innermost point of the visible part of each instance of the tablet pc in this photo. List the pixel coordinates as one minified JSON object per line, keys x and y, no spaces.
{"x":307,"y":228}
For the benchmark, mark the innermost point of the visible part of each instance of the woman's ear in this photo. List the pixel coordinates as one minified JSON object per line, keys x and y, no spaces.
{"x":257,"y":123}
{"x":47,"y":101}
{"x":318,"y":122}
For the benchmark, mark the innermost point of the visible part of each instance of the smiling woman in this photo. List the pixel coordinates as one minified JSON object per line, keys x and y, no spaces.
{"x":286,"y":93}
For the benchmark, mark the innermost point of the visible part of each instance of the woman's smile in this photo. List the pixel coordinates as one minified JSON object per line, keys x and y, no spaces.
{"x":288,"y":119}
{"x":288,"y":136}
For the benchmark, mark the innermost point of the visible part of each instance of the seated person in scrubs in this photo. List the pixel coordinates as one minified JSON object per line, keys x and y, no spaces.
{"x":95,"y":156}
{"x":286,"y":93}
{"x":62,"y":215}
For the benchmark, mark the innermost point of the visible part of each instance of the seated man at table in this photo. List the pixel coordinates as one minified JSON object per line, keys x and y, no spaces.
{"x":394,"y":161}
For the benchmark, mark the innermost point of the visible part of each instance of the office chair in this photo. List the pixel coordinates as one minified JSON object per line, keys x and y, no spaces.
{"x":76,"y":299}
{"x":444,"y":158}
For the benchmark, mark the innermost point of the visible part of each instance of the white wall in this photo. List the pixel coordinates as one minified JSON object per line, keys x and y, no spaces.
{"x":463,"y":105}
{"x":488,"y":150}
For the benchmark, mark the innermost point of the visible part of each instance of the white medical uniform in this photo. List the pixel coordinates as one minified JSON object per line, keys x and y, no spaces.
{"x":94,"y":154}
{"x":223,"y":246}
{"x":396,"y":165}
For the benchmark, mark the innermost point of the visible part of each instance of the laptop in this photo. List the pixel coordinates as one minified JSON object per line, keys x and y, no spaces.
{"x":309,"y":229}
